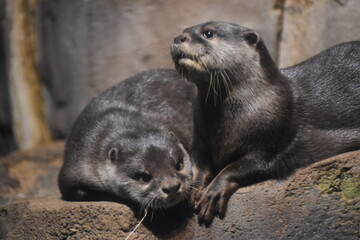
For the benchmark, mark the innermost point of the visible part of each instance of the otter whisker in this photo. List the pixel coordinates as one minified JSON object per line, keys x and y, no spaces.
{"x":187,"y":194}
{"x":161,"y":207}
{"x":219,"y":86}
{"x":203,"y":65}
{"x":226,"y":85}
{"x":145,"y":204}
{"x":156,"y":204}
{"x":208,"y":91}
{"x":213,"y":84}
{"x":215,"y":87}
{"x":230,"y":84}
{"x":191,"y":73}
{"x":151,"y":205}
{"x":142,"y":204}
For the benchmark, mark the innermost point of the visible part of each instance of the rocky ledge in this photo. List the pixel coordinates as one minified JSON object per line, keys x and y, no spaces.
{"x":318,"y":202}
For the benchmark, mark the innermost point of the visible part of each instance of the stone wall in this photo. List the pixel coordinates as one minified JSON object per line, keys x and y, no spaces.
{"x":86,"y":46}
{"x":310,"y":26}
{"x":6,"y":134}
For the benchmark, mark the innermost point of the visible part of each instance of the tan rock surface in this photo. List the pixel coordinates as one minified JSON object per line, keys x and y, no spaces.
{"x":31,"y":173}
{"x":318,"y":202}
{"x":310,"y":26}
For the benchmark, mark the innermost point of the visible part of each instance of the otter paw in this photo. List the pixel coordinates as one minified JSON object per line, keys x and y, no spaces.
{"x":213,"y":202}
{"x":195,"y":195}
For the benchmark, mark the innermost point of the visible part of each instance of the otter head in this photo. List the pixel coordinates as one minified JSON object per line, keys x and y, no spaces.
{"x":152,"y":169}
{"x":216,"y":49}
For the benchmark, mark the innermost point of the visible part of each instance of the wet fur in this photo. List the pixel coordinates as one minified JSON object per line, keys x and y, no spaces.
{"x":253,"y":121}
{"x":148,"y":120}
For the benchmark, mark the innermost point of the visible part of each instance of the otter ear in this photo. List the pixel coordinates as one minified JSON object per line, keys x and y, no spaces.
{"x":172,"y":134}
{"x":113,"y":154}
{"x":252,"y":38}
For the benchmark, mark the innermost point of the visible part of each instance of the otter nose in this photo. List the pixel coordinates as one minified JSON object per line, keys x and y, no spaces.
{"x":180,"y":39}
{"x":172,"y":188}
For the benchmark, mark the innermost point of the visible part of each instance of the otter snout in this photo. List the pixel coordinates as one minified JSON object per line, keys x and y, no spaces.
{"x":171,"y":188}
{"x":180,"y":39}
{"x":185,"y":37}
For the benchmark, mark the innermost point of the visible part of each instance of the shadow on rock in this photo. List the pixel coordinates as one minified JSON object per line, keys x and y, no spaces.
{"x":165,"y":222}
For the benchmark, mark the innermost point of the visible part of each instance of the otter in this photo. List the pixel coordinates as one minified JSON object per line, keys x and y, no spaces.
{"x":131,"y":143}
{"x":253,"y":121}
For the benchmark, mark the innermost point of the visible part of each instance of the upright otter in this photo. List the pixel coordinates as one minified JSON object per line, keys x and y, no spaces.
{"x":130,"y":143}
{"x":253,"y":121}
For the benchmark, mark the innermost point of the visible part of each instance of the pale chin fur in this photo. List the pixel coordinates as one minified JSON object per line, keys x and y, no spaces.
{"x":191,"y":63}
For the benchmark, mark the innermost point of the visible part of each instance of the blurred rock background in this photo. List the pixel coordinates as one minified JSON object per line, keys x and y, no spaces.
{"x":56,"y":55}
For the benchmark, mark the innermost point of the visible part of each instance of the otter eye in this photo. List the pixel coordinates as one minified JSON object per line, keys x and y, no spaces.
{"x":179,"y":165}
{"x":208,"y":34}
{"x":143,"y":177}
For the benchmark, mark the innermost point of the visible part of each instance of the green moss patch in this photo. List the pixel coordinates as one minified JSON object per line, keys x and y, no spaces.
{"x":340,"y":181}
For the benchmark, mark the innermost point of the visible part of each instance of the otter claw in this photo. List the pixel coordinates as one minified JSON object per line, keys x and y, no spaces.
{"x":207,"y":208}
{"x":213,"y":202}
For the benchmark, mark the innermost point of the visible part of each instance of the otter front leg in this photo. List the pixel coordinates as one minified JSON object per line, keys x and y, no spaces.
{"x":213,"y":201}
{"x":201,"y":168}
{"x":202,"y":175}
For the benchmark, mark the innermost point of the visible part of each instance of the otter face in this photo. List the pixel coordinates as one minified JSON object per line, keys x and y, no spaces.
{"x":214,"y":47}
{"x":152,"y":170}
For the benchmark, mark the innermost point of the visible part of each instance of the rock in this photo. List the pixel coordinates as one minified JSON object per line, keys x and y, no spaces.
{"x":7,"y":141}
{"x":29,"y":123}
{"x":310,"y":26}
{"x":318,"y":202}
{"x":51,"y":218}
{"x":31,"y":173}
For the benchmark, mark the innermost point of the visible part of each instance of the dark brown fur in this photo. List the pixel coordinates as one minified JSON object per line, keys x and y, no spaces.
{"x":130,"y":143}
{"x":253,"y":121}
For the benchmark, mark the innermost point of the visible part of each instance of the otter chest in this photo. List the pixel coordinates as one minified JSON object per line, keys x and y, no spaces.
{"x":226,"y":136}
